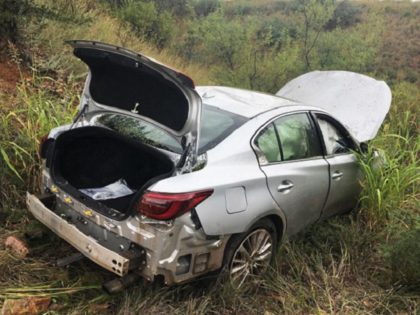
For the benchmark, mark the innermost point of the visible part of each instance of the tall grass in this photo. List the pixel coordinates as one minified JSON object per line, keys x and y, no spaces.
{"x":41,"y":103}
{"x":392,"y":165}
{"x":391,"y":178}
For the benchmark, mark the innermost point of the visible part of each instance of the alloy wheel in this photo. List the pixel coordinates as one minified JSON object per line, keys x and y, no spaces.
{"x":252,"y":257}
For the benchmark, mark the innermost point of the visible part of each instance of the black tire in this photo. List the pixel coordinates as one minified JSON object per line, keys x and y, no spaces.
{"x":236,"y":241}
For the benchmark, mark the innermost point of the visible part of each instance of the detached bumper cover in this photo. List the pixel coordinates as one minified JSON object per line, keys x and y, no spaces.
{"x":87,"y":245}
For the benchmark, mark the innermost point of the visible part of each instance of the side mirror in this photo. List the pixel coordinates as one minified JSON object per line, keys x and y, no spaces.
{"x":364,"y":147}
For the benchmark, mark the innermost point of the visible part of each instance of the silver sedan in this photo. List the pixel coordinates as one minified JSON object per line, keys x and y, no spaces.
{"x":162,"y":179}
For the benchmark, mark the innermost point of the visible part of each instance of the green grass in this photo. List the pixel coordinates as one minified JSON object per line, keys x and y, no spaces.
{"x":42,"y":103}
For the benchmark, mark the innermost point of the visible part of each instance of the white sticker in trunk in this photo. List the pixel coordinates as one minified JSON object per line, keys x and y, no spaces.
{"x":112,"y":191}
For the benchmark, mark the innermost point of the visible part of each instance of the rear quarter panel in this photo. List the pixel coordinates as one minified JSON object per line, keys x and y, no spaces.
{"x":240,"y":196}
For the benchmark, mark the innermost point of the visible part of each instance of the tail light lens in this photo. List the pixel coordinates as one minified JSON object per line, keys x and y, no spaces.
{"x":164,"y":206}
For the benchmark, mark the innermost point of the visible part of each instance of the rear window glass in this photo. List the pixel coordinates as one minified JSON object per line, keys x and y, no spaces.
{"x":216,"y":125}
{"x":140,"y":130}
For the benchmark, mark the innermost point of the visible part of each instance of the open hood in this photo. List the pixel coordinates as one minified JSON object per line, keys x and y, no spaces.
{"x":123,"y":81}
{"x":358,"y":101}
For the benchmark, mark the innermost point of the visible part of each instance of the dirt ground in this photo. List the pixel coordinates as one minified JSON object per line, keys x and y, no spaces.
{"x":9,"y":76}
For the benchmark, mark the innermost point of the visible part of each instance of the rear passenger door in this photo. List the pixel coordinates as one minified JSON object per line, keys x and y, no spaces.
{"x":345,"y":174}
{"x":290,"y":155}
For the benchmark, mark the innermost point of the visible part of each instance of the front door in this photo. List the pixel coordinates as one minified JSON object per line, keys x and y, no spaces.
{"x":345,"y":174}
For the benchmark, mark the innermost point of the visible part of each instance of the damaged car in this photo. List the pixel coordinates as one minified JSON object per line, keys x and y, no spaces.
{"x":159,"y":178}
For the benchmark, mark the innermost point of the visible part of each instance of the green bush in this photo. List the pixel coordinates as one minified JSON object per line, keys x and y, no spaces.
{"x":179,"y":8}
{"x":205,"y":7}
{"x":147,"y":22}
{"x":12,"y":13}
{"x":346,"y":14}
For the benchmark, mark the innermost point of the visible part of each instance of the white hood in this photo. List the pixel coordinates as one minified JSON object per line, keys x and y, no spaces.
{"x":358,"y":101}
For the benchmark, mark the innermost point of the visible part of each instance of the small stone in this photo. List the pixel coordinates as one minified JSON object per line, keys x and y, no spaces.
{"x":27,"y":306}
{"x":98,"y":308}
{"x":17,"y":246}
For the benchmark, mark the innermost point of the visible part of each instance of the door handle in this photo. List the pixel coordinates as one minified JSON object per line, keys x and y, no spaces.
{"x":337,"y":175}
{"x":285,"y":186}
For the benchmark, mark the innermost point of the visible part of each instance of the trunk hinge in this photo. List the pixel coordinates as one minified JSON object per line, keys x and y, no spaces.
{"x":184,"y":164}
{"x":79,"y":115}
{"x":188,"y":158}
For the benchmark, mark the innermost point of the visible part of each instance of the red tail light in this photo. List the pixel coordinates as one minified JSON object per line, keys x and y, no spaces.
{"x":164,"y":206}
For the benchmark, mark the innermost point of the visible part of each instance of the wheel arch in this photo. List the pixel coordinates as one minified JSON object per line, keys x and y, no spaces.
{"x":278,"y":220}
{"x":278,"y":223}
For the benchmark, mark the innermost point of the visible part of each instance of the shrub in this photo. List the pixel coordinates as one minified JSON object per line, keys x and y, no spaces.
{"x":179,"y":8}
{"x":12,"y":13}
{"x":205,"y":7}
{"x":346,"y":14}
{"x":147,"y":22}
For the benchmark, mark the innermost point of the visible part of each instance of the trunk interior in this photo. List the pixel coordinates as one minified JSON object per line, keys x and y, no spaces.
{"x":94,"y":157}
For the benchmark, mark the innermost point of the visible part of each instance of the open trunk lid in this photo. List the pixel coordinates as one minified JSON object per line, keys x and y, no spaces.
{"x":126,"y":82}
{"x":358,"y":101}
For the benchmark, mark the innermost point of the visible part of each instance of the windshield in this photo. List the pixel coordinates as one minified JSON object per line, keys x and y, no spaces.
{"x":216,"y":125}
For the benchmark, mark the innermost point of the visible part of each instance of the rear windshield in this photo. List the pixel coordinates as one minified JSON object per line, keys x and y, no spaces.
{"x":216,"y":125}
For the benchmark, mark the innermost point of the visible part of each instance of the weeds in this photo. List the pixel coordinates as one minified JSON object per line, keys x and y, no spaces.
{"x":41,"y":104}
{"x":391,"y":179}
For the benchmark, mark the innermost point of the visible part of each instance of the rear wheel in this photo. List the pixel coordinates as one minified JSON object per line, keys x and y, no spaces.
{"x":249,"y":254}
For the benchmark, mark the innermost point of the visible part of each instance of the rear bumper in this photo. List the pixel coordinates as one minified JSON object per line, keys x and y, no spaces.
{"x":87,"y":245}
{"x":148,"y":247}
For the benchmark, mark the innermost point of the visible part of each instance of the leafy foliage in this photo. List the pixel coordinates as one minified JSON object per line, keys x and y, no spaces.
{"x":205,"y":7}
{"x":346,"y":14}
{"x":147,"y":22}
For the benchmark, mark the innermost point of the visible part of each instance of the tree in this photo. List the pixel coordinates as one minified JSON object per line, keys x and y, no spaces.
{"x":147,"y":22}
{"x":205,"y":7}
{"x":12,"y":13}
{"x":316,"y":15}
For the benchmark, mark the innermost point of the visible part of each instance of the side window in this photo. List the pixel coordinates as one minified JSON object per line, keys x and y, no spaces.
{"x":298,"y":139}
{"x":267,"y":143}
{"x":334,"y":139}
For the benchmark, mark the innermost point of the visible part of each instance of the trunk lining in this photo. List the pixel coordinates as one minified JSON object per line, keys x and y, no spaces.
{"x":90,"y":157}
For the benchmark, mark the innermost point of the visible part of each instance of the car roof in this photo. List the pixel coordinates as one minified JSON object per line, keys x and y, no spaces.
{"x":241,"y":102}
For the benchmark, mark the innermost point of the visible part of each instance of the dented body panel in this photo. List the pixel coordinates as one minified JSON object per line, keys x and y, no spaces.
{"x":151,"y":247}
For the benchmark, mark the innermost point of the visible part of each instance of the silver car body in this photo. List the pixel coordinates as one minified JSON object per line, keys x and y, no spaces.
{"x":246,"y":188}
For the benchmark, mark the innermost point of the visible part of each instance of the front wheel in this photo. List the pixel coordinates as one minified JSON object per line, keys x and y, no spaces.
{"x":249,"y":254}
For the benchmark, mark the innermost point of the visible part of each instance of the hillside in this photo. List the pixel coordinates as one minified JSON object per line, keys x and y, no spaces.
{"x":362,"y":263}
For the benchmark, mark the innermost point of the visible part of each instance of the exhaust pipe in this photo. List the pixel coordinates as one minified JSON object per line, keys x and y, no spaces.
{"x":62,"y":262}
{"x":117,"y":285}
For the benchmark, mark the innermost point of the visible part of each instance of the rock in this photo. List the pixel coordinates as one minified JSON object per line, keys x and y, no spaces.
{"x":17,"y":246}
{"x":98,"y":308}
{"x":27,"y":306}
